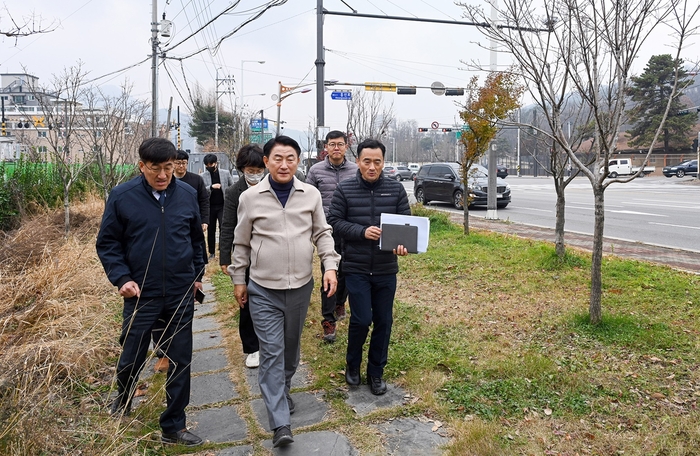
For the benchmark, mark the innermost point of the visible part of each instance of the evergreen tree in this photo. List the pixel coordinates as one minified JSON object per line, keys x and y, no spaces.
{"x":650,"y":92}
{"x":203,"y":119}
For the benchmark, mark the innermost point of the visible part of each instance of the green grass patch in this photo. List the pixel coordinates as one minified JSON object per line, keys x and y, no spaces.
{"x":631,"y":331}
{"x":515,"y":386}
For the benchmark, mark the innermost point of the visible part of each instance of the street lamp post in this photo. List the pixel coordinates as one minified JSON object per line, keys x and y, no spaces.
{"x":242,"y":62}
{"x":287,"y":91}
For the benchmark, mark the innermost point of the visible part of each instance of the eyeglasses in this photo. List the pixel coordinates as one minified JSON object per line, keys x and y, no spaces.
{"x":180,"y":162}
{"x":339,"y":145}
{"x":167,"y":168}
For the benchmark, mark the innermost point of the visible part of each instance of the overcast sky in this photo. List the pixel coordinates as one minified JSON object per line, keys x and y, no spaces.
{"x":108,"y":35}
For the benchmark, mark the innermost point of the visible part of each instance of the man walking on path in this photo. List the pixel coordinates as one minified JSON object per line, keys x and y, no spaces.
{"x":150,"y":245}
{"x":217,"y":181}
{"x":326,"y":176}
{"x":279,"y":222}
{"x":370,"y":274}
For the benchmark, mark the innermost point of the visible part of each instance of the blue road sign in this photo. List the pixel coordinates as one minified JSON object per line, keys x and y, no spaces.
{"x":341,"y":95}
{"x":255,"y":124}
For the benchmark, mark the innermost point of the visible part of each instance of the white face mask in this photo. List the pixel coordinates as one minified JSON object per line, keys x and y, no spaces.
{"x":253,"y":178}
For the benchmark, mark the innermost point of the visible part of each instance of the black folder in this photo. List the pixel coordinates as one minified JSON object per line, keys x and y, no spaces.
{"x":395,"y":235}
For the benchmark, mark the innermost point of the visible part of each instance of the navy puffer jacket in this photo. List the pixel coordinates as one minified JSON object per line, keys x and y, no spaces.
{"x":357,"y":205}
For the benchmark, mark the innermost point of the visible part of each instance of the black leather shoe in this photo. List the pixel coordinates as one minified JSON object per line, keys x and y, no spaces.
{"x":118,"y":409}
{"x":352,"y":375}
{"x":376,"y":385}
{"x":291,"y":405}
{"x":282,"y":437}
{"x":183,"y":437}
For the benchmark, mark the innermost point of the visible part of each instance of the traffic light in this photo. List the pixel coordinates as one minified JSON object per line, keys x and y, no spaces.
{"x":4,"y":127}
{"x":445,"y":130}
{"x":406,"y":90}
{"x":454,"y":92}
{"x":422,"y":130}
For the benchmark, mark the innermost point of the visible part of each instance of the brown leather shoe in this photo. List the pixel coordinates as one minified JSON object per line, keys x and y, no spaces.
{"x":162,"y":364}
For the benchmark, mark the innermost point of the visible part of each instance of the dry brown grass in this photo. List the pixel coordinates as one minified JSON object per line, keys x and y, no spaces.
{"x":56,"y":332}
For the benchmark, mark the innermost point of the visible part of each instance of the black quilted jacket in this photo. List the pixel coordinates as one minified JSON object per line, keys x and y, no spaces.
{"x":356,"y":205}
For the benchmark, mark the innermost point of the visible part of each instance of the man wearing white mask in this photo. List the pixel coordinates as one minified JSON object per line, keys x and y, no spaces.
{"x":250,"y":162}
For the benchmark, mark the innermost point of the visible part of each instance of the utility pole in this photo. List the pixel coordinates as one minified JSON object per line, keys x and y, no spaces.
{"x":491,"y":201}
{"x":179,"y":138}
{"x":320,"y":77}
{"x":228,"y":80}
{"x":154,"y":69}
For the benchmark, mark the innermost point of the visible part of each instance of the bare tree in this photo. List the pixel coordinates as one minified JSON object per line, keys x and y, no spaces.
{"x":367,"y":115}
{"x":62,"y":113}
{"x":113,"y":126}
{"x":27,"y":25}
{"x":589,"y":50}
{"x":558,"y":164}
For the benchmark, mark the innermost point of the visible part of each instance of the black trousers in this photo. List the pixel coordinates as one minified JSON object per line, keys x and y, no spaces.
{"x":341,"y":294}
{"x":371,"y":303}
{"x":139,"y":317}
{"x":247,"y":332}
{"x":216,"y":214}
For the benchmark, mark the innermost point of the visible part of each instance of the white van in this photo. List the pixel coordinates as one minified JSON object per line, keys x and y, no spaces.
{"x":414,"y":167}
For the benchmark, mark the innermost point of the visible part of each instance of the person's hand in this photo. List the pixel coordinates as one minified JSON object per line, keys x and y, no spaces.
{"x":204,"y":226}
{"x":216,"y":186}
{"x":197,"y":286}
{"x":241,"y":294}
{"x":373,"y":233}
{"x":330,"y":282}
{"x":130,"y":289}
{"x":224,"y":268}
{"x":401,"y":250}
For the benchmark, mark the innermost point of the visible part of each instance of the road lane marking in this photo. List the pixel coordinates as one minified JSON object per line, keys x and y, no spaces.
{"x":639,"y":213}
{"x":675,"y":226}
{"x":533,"y":209}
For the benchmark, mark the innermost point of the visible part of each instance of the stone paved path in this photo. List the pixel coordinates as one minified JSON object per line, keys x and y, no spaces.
{"x":216,"y":411}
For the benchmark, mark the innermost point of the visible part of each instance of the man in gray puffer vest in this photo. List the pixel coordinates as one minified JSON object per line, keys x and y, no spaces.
{"x":326,"y":176}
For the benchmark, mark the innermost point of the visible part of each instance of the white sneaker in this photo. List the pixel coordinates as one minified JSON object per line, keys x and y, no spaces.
{"x":252,"y":360}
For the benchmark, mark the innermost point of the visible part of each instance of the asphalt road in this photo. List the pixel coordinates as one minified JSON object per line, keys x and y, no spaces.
{"x":652,"y":210}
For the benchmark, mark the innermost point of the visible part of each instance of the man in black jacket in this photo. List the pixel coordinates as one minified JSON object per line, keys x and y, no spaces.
{"x":150,"y":245}
{"x":370,"y":274}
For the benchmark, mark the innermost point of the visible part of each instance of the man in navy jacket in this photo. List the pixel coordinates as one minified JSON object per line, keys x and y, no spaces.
{"x":150,"y":244}
{"x":370,"y":274}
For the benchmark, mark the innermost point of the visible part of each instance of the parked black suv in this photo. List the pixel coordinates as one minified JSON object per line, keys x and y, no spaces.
{"x":441,"y":182}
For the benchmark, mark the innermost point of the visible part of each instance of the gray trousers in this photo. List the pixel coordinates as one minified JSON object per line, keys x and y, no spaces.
{"x":278,"y":318}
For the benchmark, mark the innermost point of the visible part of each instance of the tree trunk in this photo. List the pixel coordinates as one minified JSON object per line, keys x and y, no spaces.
{"x":66,"y":209}
{"x":559,"y":245}
{"x":466,"y":216}
{"x":595,"y":310}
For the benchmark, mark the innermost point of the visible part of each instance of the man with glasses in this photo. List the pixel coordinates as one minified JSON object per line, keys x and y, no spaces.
{"x":150,"y":245}
{"x":326,"y":176}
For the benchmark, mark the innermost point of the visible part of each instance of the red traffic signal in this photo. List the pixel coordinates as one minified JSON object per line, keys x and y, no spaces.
{"x":422,"y":129}
{"x":445,"y":130}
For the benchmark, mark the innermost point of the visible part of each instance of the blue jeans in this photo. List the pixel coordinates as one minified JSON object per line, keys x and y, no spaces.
{"x":371,"y":303}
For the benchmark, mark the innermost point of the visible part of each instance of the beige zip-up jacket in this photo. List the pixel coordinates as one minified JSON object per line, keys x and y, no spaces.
{"x":278,"y":242}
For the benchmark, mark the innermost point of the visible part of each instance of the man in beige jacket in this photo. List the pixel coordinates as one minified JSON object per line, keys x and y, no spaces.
{"x":279,"y":222}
